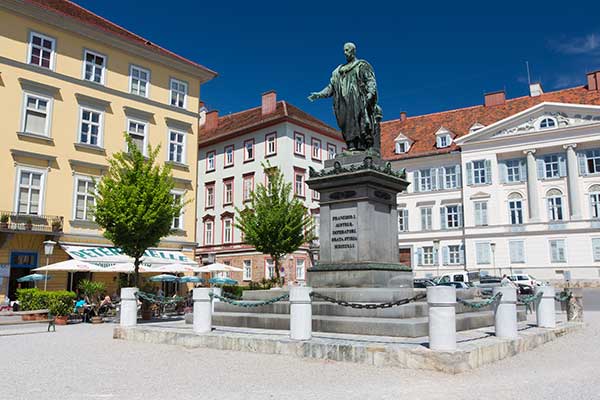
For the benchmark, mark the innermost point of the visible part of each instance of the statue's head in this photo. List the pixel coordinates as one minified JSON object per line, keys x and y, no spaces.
{"x":350,"y":51}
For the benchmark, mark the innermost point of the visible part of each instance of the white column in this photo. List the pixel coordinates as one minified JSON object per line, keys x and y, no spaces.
{"x":202,"y":310}
{"x":545,"y":313}
{"x":128,"y":307}
{"x":572,"y":184}
{"x":300,"y":313}
{"x":219,"y":292}
{"x":442,"y":317}
{"x":533,"y":200}
{"x":506,"y":312}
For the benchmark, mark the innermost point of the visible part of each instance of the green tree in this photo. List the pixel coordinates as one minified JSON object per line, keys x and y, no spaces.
{"x":275,"y":222}
{"x":134,"y":203}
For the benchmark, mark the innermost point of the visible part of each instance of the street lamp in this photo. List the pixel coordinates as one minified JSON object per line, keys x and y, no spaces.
{"x":48,"y":250}
{"x":493,"y":247}
{"x":436,"y":249}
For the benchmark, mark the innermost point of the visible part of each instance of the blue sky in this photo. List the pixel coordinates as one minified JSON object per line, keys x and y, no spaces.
{"x":427,"y":57}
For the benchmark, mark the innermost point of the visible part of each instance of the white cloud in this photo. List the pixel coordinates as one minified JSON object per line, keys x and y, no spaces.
{"x":585,"y":45}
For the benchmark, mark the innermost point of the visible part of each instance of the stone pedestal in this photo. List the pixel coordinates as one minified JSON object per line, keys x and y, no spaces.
{"x":359,"y":224}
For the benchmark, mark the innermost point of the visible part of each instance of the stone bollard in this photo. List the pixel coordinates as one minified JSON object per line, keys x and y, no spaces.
{"x":545,"y":311}
{"x":128,"y":307}
{"x":300,"y":313}
{"x":575,"y":306}
{"x":202,"y":310}
{"x":506,"y":312}
{"x":442,"y":317}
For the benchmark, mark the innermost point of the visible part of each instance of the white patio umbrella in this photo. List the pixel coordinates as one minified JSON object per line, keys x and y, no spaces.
{"x":218,"y":267}
{"x":69,"y":266}
{"x":174,"y":268}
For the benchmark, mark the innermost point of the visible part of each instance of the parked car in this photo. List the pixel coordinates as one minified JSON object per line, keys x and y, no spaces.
{"x":459,"y":277}
{"x":458,"y":285}
{"x":525,"y":279}
{"x":422,"y":283}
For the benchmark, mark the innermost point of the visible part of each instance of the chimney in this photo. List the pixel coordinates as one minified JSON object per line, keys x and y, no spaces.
{"x":495,"y":98}
{"x":535,"y":89}
{"x":212,"y":120}
{"x":593,"y":80}
{"x":269,"y":102}
{"x":402,"y":115}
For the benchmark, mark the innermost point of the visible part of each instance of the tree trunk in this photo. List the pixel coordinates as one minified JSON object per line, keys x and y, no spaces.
{"x":136,"y":271}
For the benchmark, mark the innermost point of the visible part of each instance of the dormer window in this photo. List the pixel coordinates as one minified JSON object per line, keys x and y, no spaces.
{"x":475,"y":127}
{"x":547,"y":123}
{"x":443,"y":141}
{"x":402,"y":147}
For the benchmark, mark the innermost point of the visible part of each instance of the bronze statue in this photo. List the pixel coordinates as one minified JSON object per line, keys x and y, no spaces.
{"x":354,"y":91}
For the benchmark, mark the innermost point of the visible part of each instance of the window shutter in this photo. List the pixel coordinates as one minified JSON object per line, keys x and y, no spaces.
{"x":405,"y":216}
{"x":420,"y":256}
{"x":488,"y":172}
{"x":442,"y":178}
{"x":469,"y":173}
{"x":461,"y":254}
{"x":596,"y":248}
{"x":582,"y":158}
{"x":478,"y":214}
{"x":503,"y":169}
{"x":433,"y":174}
{"x":540,"y":168}
{"x":417,"y":181}
{"x":562,"y":165}
{"x":460,"y":216}
{"x":443,"y":220}
{"x":484,"y":216}
{"x":436,"y":258}
{"x":458,"y":176}
{"x":423,"y":220}
{"x":523,"y":170}
{"x":446,"y":255}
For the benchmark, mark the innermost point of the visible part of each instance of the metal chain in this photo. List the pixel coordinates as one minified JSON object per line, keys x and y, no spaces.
{"x":481,"y":304}
{"x":530,"y":299}
{"x":152,"y":298}
{"x":248,"y":304}
{"x":231,"y":296}
{"x":565,"y":295}
{"x":361,"y":306}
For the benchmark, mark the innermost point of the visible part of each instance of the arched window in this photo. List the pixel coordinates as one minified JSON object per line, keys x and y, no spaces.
{"x":547,"y":123}
{"x":555,"y":205}
{"x":515,"y":208}
{"x":595,"y":201}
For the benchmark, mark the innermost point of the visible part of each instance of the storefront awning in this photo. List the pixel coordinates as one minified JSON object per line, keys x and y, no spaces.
{"x":109,"y":255}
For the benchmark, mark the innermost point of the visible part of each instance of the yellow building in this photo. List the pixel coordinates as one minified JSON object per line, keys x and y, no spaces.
{"x":71,"y":83}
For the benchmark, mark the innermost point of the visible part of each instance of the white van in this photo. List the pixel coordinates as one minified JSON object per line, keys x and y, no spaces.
{"x":471,"y":277}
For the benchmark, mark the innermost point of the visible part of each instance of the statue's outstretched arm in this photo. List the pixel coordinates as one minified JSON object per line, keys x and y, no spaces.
{"x":326,"y":92}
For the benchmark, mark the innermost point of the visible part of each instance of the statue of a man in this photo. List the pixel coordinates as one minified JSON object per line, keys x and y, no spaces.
{"x":354,"y":93}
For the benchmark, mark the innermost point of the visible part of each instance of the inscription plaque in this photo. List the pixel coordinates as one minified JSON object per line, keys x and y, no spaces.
{"x":344,"y":235}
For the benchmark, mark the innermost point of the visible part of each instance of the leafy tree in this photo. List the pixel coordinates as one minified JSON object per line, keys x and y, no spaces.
{"x":275,"y":222}
{"x":134,"y":203}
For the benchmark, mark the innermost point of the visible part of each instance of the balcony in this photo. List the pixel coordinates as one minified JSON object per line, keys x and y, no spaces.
{"x":11,"y":222}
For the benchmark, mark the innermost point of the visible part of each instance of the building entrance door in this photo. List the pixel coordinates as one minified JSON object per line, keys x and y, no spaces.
{"x":21,"y":263}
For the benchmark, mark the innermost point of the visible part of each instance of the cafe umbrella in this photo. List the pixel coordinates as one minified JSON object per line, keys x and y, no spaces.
{"x":34,"y":278}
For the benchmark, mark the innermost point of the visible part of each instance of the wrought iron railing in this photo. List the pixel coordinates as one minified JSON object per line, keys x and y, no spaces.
{"x":11,"y":221}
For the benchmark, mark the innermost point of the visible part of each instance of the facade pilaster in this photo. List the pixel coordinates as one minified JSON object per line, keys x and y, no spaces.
{"x":533,"y":202}
{"x":573,"y":188}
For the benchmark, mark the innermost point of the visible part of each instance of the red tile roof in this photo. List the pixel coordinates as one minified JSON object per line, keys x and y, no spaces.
{"x":250,"y":120}
{"x":421,"y":129}
{"x":71,"y":10}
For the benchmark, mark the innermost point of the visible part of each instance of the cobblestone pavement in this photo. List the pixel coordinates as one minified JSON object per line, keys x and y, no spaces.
{"x":84,"y":362}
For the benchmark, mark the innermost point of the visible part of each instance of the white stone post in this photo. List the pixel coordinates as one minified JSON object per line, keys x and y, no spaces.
{"x":442,"y":317}
{"x":545,"y":312}
{"x":219,"y":292}
{"x":300,"y":313}
{"x":202,"y":310}
{"x":128,"y":307}
{"x":506,"y":312}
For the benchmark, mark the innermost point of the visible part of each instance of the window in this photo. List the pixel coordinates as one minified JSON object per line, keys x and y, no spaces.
{"x":316,"y":195}
{"x":593,"y":161}
{"x":249,"y":150}
{"x":93,"y":67}
{"x":425,"y":178}
{"x":316,"y":218}
{"x":30,"y":193}
{"x":41,"y":50}
{"x":178,"y":220}
{"x":331,"y":151}
{"x":515,"y":208}
{"x":515,"y":171}
{"x":247,"y":270}
{"x":228,"y":154}
{"x":271,"y":144}
{"x":269,"y":269}
{"x":300,"y":269}
{"x":210,"y":161}
{"x":139,"y":81}
{"x":443,"y":141}
{"x":210,"y":196}
{"x":551,"y":166}
{"x":555,"y":205}
{"x":403,"y":220}
{"x":228,"y":191}
{"x":298,"y":144}
{"x":90,"y":127}
{"x":547,"y":123}
{"x":451,"y":216}
{"x":177,"y":147}
{"x":299,"y":183}
{"x":178,"y":93}
{"x":483,"y":253}
{"x":227,"y":230}
{"x":558,"y":251}
{"x":401,"y":147}
{"x":84,"y":199}
{"x":454,"y":255}
{"x":316,"y":149}
{"x":36,"y":115}
{"x":480,"y":172}
{"x":426,"y":255}
{"x":595,"y":201}
{"x":248,"y":187}
{"x":451,"y":177}
{"x":208,"y":232}
{"x":517,"y":251}
{"x":426,"y":218}
{"x":596,"y":249}
{"x":481,"y":215}
{"x":137,"y":132}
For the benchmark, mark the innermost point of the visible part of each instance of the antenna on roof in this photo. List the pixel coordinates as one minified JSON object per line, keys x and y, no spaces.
{"x":528,"y":75}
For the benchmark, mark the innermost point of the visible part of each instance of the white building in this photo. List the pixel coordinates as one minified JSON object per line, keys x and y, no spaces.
{"x":231,"y":151}
{"x":511,"y":185}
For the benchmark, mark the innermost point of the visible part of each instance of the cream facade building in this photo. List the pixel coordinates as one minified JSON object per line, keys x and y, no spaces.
{"x":71,"y":84}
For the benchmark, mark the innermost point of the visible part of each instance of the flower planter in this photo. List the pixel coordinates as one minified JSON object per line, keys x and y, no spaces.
{"x":97,"y":320}
{"x":61,"y":320}
{"x":39,"y":317}
{"x":28,"y":317}
{"x":146,"y":315}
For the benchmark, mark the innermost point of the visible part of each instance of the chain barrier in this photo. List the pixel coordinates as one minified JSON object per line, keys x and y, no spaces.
{"x":565,"y":295}
{"x":361,"y":306}
{"x":231,"y":296}
{"x":480,"y":304}
{"x":249,"y":304}
{"x":530,"y":299}
{"x":152,"y":298}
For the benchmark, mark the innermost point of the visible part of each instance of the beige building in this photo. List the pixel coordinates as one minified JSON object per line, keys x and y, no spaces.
{"x":71,"y":84}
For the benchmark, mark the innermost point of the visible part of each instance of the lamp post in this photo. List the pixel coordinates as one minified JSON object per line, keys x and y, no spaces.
{"x":48,"y":250}
{"x":436,"y":258}
{"x":493,"y":247}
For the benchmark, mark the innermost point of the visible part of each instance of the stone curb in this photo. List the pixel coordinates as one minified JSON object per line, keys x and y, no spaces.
{"x":471,"y":354}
